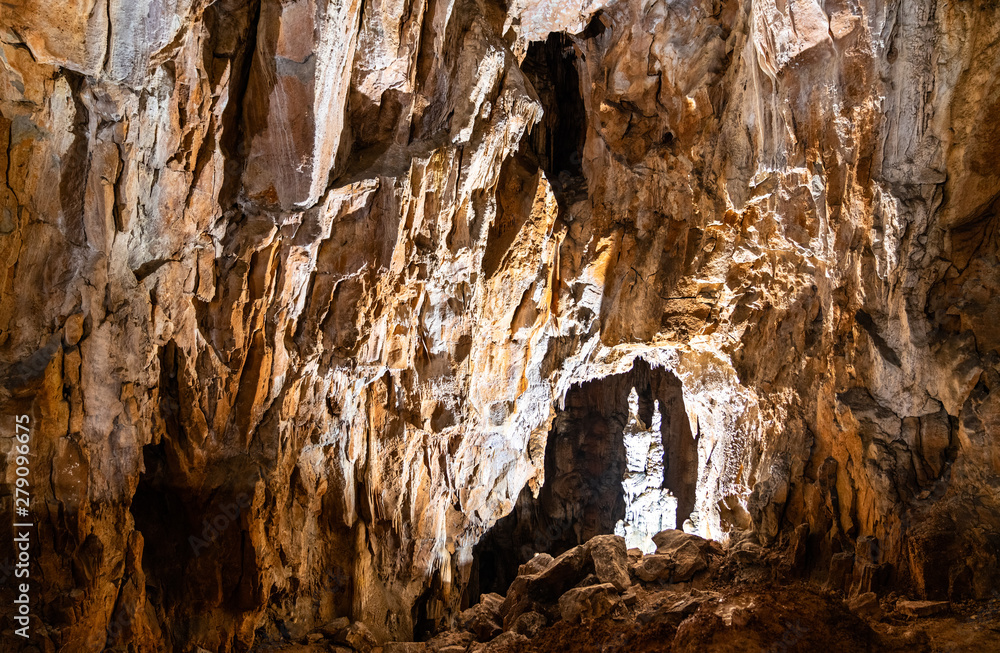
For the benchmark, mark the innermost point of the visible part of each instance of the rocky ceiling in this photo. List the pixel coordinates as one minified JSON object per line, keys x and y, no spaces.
{"x":296,"y":293}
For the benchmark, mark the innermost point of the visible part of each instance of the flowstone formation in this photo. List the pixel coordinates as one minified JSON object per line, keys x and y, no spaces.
{"x":305,"y":297}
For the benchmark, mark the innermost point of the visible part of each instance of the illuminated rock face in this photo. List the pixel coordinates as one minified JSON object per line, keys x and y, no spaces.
{"x":344,"y":266}
{"x":605,"y":472}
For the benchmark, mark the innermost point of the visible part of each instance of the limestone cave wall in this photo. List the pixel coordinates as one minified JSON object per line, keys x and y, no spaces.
{"x":295,"y":291}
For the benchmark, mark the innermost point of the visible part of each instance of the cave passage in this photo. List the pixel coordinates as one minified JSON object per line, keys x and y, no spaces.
{"x":620,"y":458}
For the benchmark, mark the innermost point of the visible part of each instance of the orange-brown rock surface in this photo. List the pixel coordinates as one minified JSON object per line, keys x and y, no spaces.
{"x":295,"y":291}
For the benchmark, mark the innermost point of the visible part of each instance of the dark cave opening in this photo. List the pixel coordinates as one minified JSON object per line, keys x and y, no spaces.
{"x":195,"y":549}
{"x":558,"y":138}
{"x":620,"y":457}
{"x":160,"y":517}
{"x":428,"y":610}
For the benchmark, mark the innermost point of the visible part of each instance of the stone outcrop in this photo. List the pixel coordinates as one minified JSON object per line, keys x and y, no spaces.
{"x":303,"y":297}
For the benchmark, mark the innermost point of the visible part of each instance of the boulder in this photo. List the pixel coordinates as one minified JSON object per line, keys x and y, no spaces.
{"x":610,"y":560}
{"x":492,"y":601}
{"x":688,"y":560}
{"x":671,"y":611}
{"x":670,"y":540}
{"x":483,"y":620}
{"x":922,"y":608}
{"x":358,"y":637}
{"x":748,"y":553}
{"x":685,"y":606}
{"x":588,"y":602}
{"x":532,"y":591}
{"x":517,"y":604}
{"x":841,"y":567}
{"x":529,"y":623}
{"x":564,"y":572}
{"x":335,"y":627}
{"x":866,"y":605}
{"x":654,"y":567}
{"x":539,"y":563}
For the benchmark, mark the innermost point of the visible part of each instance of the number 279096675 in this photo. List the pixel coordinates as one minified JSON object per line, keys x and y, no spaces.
{"x":22,"y":433}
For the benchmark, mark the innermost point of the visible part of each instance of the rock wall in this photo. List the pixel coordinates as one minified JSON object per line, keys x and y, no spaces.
{"x":293,"y":291}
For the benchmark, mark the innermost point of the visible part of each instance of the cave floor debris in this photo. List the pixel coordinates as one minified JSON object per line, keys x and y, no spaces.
{"x":691,"y":595}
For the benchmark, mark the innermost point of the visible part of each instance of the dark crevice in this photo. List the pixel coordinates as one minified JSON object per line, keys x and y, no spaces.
{"x":225,"y":19}
{"x":75,"y":165}
{"x":555,"y":145}
{"x":559,"y":137}
{"x":149,"y":267}
{"x":428,"y":610}
{"x":597,"y":26}
{"x":160,"y":516}
{"x":868,"y":324}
